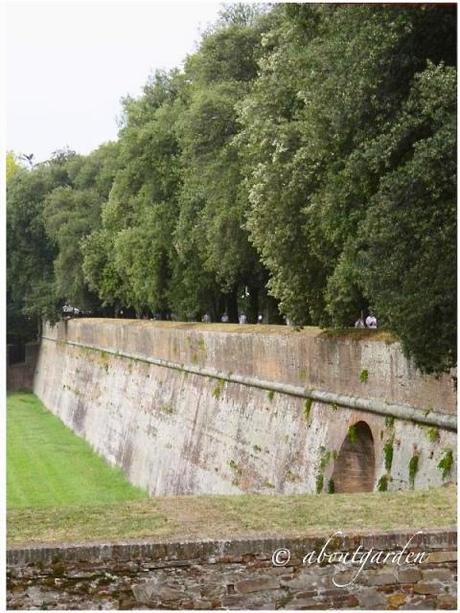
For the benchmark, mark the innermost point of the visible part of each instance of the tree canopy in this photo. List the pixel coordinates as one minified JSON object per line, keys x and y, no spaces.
{"x":301,"y":164}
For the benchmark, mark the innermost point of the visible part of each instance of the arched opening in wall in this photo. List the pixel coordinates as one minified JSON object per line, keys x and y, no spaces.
{"x":354,"y":468}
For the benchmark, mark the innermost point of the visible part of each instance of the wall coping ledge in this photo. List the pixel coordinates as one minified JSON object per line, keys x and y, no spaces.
{"x":440,"y":538}
{"x":372,"y":405}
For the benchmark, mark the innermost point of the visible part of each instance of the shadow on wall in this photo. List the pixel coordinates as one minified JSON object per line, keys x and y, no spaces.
{"x":354,"y":469}
{"x":20,"y":374}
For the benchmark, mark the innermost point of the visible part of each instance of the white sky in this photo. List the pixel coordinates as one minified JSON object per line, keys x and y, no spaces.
{"x":70,"y":62}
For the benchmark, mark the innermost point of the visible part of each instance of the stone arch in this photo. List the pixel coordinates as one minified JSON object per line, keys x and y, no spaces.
{"x":354,"y":469}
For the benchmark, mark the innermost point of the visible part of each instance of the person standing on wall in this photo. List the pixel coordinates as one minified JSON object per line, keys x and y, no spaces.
{"x":359,"y":323}
{"x":371,"y":320}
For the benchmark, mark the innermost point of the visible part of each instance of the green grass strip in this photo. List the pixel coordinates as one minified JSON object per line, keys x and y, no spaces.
{"x":60,"y":491}
{"x":49,"y":466}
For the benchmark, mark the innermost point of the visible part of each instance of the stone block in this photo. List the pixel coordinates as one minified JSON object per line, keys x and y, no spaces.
{"x":201,"y":605}
{"x":428,"y":587}
{"x":420,"y":605}
{"x":408,"y":575}
{"x":437,"y":557}
{"x":440,"y":574}
{"x":301,"y":582}
{"x":211,"y":591}
{"x":235,"y":601}
{"x":337,"y":592}
{"x":144,"y":592}
{"x":344,"y":577}
{"x":378,"y":578}
{"x":371,"y":599}
{"x":306,"y":603}
{"x":256,"y":585}
{"x":284,"y":570}
{"x":304,"y":595}
{"x":396,"y":600}
{"x":446,"y":601}
{"x":343,"y":601}
{"x":168,"y":593}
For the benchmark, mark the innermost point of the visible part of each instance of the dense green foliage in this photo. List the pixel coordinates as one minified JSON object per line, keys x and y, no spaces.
{"x":12,"y":165}
{"x":302,"y":164}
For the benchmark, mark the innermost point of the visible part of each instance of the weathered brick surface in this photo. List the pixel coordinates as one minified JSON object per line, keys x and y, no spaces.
{"x":232,"y":575}
{"x":234,"y":384}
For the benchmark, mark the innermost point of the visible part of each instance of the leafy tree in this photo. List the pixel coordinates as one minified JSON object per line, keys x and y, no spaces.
{"x":128,"y":260}
{"x":304,"y":149}
{"x":30,"y":254}
{"x":70,"y":215}
{"x":333,"y":87}
{"x":406,"y":253}
{"x":213,"y":199}
{"x":72,"y":212}
{"x":12,"y":165}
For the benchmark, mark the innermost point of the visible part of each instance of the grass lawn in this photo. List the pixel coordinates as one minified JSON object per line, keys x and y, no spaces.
{"x":59,"y":490}
{"x":48,"y":466}
{"x":228,"y":517}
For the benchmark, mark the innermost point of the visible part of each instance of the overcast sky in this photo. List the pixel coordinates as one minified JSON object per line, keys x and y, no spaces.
{"x":70,"y":63}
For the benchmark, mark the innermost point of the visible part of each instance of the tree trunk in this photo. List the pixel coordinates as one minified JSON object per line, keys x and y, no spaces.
{"x":273,"y":314}
{"x":253,"y":305}
{"x":232,"y":306}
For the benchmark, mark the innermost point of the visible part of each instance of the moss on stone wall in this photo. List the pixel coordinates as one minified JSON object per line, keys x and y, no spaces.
{"x":446,"y":463}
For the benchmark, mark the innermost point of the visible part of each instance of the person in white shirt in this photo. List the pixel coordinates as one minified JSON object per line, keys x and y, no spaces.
{"x":371,"y":320}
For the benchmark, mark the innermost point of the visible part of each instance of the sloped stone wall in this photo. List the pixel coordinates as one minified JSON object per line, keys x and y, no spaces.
{"x":186,"y":408}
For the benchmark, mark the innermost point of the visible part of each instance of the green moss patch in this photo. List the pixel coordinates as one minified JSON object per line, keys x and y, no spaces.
{"x":446,"y":463}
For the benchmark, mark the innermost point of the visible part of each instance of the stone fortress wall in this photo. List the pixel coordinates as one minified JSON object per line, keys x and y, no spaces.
{"x":225,"y":409}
